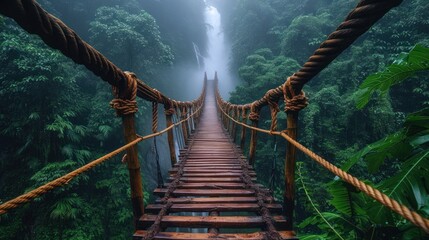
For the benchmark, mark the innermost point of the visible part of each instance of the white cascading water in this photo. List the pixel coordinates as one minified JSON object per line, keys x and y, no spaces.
{"x":198,"y":55}
{"x":218,"y":52}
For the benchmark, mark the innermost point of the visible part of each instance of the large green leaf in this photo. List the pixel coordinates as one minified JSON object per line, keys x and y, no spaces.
{"x":346,"y":199}
{"x":408,"y":186}
{"x":406,"y":66}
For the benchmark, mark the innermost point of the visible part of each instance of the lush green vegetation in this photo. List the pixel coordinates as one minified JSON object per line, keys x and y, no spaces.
{"x":368,"y":111}
{"x":55,"y":116}
{"x":360,"y":98}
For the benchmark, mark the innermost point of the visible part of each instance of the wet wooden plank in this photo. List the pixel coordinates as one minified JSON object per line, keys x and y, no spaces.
{"x":287,"y":235}
{"x":219,"y":207}
{"x":209,"y":179}
{"x":206,"y":192}
{"x":215,"y":174}
{"x":209,"y":221}
{"x":191,"y":200}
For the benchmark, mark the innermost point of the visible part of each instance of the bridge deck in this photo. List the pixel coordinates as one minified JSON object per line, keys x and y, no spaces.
{"x":212,"y":199}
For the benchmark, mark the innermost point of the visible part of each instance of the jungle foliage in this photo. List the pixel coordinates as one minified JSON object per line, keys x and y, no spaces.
{"x":55,"y":116}
{"x":368,"y":111}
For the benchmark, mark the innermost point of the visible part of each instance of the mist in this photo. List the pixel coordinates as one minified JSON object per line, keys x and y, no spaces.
{"x":364,"y":111}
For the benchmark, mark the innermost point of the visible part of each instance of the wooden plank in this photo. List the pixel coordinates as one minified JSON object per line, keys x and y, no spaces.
{"x":210,"y":167}
{"x":209,"y":179}
{"x":206,"y":192}
{"x":203,"y":170}
{"x":209,"y":221}
{"x":213,"y":185}
{"x":218,"y":207}
{"x":213,"y":175}
{"x":212,"y":161}
{"x":203,"y":165}
{"x":216,"y":200}
{"x":287,"y":235}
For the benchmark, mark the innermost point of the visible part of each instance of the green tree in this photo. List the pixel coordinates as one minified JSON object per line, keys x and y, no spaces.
{"x":133,"y":40}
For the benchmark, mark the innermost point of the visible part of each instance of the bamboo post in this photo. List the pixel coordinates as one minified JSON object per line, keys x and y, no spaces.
{"x":289,"y":171}
{"x":170,"y":136}
{"x":128,"y":122}
{"x":253,"y":140}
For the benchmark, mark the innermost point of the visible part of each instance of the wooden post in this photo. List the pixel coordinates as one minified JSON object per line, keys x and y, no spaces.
{"x":289,"y":171}
{"x":252,"y":149}
{"x":133,"y":164}
{"x":170,"y":137}
{"x":243,"y":132}
{"x":234,"y":125}
{"x":228,"y":120}
{"x":184,"y":128}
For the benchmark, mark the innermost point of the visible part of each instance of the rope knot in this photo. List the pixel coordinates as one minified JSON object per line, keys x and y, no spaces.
{"x":169,"y":110}
{"x":254,"y":114}
{"x":293,"y":102}
{"x":125,"y":99}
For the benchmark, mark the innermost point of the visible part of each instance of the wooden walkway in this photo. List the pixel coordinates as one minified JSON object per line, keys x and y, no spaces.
{"x":212,"y":201}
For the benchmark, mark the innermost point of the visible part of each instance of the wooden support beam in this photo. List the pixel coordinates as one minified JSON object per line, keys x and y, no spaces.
{"x":133,"y":164}
{"x":243,"y":131}
{"x":170,"y":137}
{"x":253,"y":140}
{"x":289,"y":171}
{"x":184,"y":127}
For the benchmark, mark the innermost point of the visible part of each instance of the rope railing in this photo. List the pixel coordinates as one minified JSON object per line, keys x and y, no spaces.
{"x":358,"y":21}
{"x":34,"y":19}
{"x":126,"y":85}
{"x":63,"y":180}
{"x":372,"y":192}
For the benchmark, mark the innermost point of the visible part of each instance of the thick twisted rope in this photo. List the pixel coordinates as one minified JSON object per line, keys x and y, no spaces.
{"x":274,"y":109}
{"x":169,"y":109}
{"x":400,"y":209}
{"x":154,"y":116}
{"x":254,"y":113}
{"x":35,"y":20}
{"x":125,"y":99}
{"x":293,"y":102}
{"x":358,"y":21}
{"x":61,"y":181}
{"x":156,"y":226}
{"x":261,"y":196}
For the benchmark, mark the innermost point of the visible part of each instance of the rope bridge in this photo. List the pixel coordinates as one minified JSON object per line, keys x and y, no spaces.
{"x":211,"y":175}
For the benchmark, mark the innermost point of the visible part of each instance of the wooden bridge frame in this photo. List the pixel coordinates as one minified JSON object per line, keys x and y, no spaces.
{"x":56,"y":34}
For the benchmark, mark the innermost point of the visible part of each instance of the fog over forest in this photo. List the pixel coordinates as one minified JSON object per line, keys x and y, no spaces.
{"x":368,"y":110}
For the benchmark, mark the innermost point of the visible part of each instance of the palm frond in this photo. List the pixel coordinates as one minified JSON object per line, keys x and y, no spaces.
{"x":406,"y":66}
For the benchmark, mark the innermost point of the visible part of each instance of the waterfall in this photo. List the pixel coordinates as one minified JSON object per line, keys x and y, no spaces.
{"x":218,"y":51}
{"x":198,"y":55}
